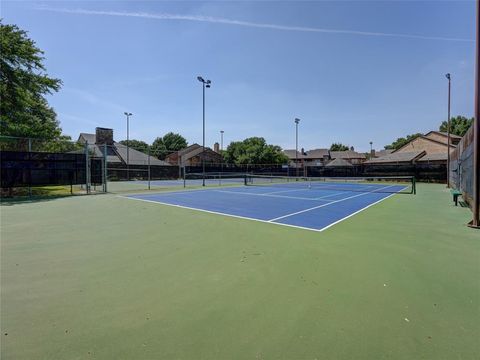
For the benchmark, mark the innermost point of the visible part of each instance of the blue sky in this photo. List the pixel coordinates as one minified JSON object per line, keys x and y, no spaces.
{"x":353,"y":72}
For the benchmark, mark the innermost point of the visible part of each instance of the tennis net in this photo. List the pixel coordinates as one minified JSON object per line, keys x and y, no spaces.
{"x":399,"y":184}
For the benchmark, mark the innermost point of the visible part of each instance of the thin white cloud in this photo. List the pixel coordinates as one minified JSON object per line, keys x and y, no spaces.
{"x":215,"y":20}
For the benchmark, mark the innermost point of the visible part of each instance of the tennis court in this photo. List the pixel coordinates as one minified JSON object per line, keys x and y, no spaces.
{"x":299,"y":202}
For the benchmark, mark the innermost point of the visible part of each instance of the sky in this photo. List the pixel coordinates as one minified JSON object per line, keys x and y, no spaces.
{"x":352,"y":71}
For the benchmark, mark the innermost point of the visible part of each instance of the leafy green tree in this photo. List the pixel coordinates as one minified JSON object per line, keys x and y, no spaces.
{"x":24,"y":111}
{"x":397,"y":144}
{"x":174,"y":142}
{"x":158,"y":148}
{"x":254,"y":150}
{"x":338,"y":147}
{"x":138,"y":145}
{"x":458,"y":125}
{"x":170,"y":142}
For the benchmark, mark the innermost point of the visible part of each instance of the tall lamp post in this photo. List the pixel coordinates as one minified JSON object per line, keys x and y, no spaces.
{"x":371,"y":148}
{"x":128,"y":114}
{"x":205,"y":84}
{"x":448,"y":130}
{"x":297,"y":120}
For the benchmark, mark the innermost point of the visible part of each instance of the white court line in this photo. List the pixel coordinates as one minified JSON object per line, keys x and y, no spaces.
{"x":269,"y":195}
{"x":218,"y":213}
{"x":326,"y":196}
{"x":330,"y":203}
{"x":355,"y":213}
{"x":284,"y":191}
{"x":259,"y":220}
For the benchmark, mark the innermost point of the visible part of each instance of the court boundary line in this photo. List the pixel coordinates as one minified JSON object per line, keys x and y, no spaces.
{"x":219,"y":213}
{"x":324,"y":205}
{"x":355,"y":213}
{"x":270,"y":195}
{"x":130,"y":197}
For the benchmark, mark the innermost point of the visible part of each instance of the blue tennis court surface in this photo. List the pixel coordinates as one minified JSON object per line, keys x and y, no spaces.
{"x":303,"y":207}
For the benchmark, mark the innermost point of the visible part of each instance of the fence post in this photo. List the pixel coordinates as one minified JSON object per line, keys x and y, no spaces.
{"x":148,"y":167}
{"x":87,"y":168}
{"x":30,"y":167}
{"x":105,"y":170}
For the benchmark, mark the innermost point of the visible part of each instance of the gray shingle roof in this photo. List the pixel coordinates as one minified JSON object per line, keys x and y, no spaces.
{"x":291,"y":154}
{"x":136,"y":157}
{"x":338,"y":162}
{"x":317,"y":154}
{"x":435,"y":157}
{"x":349,"y":154}
{"x":397,"y":157}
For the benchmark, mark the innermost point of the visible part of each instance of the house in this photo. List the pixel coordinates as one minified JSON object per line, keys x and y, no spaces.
{"x":443,"y":137}
{"x":192,"y":156}
{"x":294,"y":156}
{"x":316,"y":157}
{"x":350,"y":156}
{"x":396,"y":158}
{"x":432,"y":142}
{"x":380,"y":153}
{"x":338,"y":162}
{"x":117,"y":153}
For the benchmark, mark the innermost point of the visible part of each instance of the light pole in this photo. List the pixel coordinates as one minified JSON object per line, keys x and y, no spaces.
{"x":128,"y":114}
{"x":297,"y":120}
{"x":448,"y":131}
{"x":371,"y":148}
{"x":205,"y":84}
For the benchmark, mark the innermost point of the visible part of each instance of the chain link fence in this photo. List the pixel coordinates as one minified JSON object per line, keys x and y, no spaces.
{"x":461,"y":166}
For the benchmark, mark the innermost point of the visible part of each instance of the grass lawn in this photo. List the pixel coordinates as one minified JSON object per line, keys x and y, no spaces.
{"x":104,"y":277}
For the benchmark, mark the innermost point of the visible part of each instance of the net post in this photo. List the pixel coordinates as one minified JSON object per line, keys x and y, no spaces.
{"x":414,"y":186}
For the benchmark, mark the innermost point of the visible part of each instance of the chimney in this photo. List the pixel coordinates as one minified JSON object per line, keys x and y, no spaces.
{"x":103,"y":136}
{"x":352,"y":148}
{"x":303,"y":151}
{"x":216,"y":147}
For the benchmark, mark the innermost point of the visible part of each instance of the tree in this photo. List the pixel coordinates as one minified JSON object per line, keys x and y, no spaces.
{"x":397,"y":144}
{"x":158,"y":148}
{"x":174,"y":142}
{"x":458,"y":125}
{"x":170,"y":142}
{"x":254,"y":150}
{"x":138,"y":145}
{"x":339,"y":147}
{"x":24,"y":111}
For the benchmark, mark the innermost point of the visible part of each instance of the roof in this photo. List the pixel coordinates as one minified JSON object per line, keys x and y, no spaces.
{"x":118,"y":152}
{"x":383,"y":152}
{"x":428,"y":139}
{"x":338,"y":162}
{"x":291,"y":154}
{"x":443,"y":134}
{"x":89,"y":138}
{"x":136,"y":157}
{"x":435,"y":157}
{"x":191,"y":151}
{"x":349,"y":154}
{"x":397,"y":157}
{"x":316,"y":154}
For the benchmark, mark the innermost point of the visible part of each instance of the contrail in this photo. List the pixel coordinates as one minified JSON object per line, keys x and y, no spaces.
{"x":215,"y":20}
